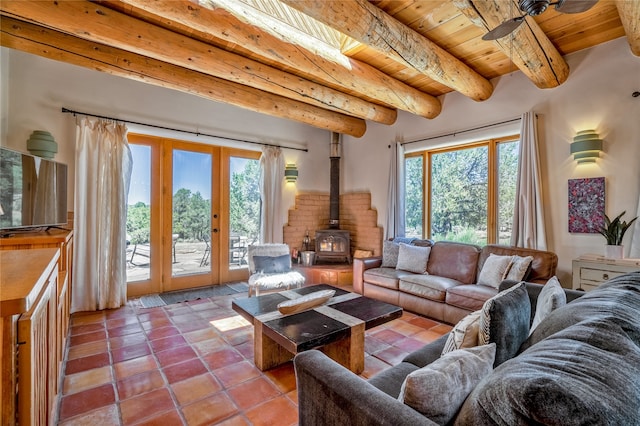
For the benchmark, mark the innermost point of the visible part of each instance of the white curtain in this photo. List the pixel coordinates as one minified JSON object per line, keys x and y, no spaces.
{"x":395,"y":195}
{"x":271,"y":181}
{"x":103,"y":173}
{"x":528,"y":217}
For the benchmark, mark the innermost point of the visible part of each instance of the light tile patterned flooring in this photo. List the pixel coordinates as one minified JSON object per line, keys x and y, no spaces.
{"x":192,"y":364}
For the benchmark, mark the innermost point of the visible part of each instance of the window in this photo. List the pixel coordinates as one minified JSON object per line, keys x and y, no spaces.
{"x":463,"y":193}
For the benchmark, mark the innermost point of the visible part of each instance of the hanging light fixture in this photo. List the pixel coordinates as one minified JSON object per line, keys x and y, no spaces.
{"x":291,"y":173}
{"x":586,"y":146}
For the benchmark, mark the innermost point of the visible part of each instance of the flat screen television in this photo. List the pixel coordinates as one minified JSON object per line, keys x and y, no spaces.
{"x":33,"y":191}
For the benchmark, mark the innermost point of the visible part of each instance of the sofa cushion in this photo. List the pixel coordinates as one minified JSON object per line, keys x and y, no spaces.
{"x":588,"y":373}
{"x":390,"y":251}
{"x":439,"y":389}
{"x":413,"y":258}
{"x":470,"y":297}
{"x":390,"y":380}
{"x":384,"y":277}
{"x":427,"y":286}
{"x":505,"y":321}
{"x":494,"y":270}
{"x":458,"y":261}
{"x":551,"y":297}
{"x":519,"y":268}
{"x":464,"y":333}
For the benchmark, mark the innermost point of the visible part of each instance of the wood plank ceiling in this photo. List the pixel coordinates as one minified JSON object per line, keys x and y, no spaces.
{"x":329,"y":64}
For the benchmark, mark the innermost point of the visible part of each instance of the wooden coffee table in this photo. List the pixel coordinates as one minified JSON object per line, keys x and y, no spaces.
{"x":336,"y":328}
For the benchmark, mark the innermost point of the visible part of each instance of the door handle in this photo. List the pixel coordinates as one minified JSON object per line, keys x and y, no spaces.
{"x":215,"y":230}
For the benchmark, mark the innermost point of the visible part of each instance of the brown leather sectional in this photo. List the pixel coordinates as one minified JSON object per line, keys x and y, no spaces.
{"x":448,"y":291}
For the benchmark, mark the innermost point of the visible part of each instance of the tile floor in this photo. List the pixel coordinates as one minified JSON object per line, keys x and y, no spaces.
{"x":192,"y":364}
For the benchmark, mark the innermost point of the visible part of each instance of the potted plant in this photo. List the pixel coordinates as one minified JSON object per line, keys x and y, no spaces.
{"x":613,"y":231}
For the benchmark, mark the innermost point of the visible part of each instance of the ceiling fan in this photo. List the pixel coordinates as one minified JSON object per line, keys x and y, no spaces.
{"x":534,"y":8}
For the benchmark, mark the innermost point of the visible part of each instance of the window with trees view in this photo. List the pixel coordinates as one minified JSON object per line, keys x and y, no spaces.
{"x":464,"y":193}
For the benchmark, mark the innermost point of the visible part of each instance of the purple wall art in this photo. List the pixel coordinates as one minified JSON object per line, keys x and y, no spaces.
{"x":586,"y":205}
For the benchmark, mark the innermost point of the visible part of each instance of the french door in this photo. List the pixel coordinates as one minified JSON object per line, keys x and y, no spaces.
{"x":178,"y":216}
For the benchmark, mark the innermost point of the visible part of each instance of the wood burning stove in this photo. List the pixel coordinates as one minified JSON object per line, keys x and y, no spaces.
{"x":333,"y":245}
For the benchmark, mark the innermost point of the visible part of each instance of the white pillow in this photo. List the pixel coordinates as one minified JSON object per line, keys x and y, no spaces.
{"x":494,"y":270}
{"x":413,"y":258}
{"x":464,"y":334}
{"x":519,"y":267}
{"x":439,"y":389}
{"x":551,"y":297}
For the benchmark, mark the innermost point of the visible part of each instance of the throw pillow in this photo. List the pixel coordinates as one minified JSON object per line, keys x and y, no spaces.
{"x":464,"y":334}
{"x":519,"y":268}
{"x":505,"y":321}
{"x":413,"y":258}
{"x":439,"y":389}
{"x":494,"y":270}
{"x":390,"y":252}
{"x":551,"y":297}
{"x":272,"y":264}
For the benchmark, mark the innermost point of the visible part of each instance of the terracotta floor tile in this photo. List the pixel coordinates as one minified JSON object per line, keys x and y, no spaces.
{"x":235,"y":421}
{"x":185,"y":318}
{"x":139,"y":384}
{"x":130,"y":352}
{"x":210,"y":410}
{"x":409,"y":344}
{"x":442,"y":328}
{"x":120,"y":312}
{"x":200,"y":335}
{"x":156,"y":323}
{"x":392,"y":355}
{"x":121,"y":322}
{"x":128,"y":340}
{"x":424,"y":323}
{"x":152,"y":314}
{"x":246,"y":349}
{"x":373,"y":366}
{"x":82,"y":402}
{"x":175,"y":355}
{"x":87,"y":337}
{"x":195,"y":388}
{"x":74,"y":383}
{"x":198,"y":324}
{"x":87,"y":318}
{"x":86,"y":328}
{"x":222,"y":358}
{"x":253,"y":392}
{"x":388,"y":336}
{"x":145,"y":406}
{"x":125,"y":330}
{"x":177,"y":309}
{"x":162,"y":332}
{"x":169,"y":418}
{"x":168,"y":343}
{"x":280,"y":411}
{"x":239,"y":336}
{"x":373,"y":345}
{"x":87,"y":363}
{"x":236,"y":373}
{"x":406,"y":329}
{"x":205,"y":347}
{"x":184,"y":370}
{"x":134,"y":366}
{"x":427,"y":336}
{"x":108,"y":415}
{"x":87,"y":349}
{"x":284,"y":377}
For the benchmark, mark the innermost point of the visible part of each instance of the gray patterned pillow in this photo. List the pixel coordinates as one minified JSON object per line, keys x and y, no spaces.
{"x":413,"y":258}
{"x":390,"y":252}
{"x":439,"y":389}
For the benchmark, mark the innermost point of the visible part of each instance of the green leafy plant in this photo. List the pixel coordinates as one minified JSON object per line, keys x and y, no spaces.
{"x":613,"y":230}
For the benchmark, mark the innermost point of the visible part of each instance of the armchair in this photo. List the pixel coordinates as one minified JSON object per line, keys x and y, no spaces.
{"x":270,"y":269}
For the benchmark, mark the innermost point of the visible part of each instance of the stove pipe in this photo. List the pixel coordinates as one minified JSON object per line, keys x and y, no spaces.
{"x":334,"y":189}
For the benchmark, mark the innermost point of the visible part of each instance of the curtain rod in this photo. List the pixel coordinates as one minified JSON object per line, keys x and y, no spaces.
{"x":464,"y":131}
{"x":69,"y":111}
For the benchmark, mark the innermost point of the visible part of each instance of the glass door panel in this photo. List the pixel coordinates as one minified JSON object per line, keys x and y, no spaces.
{"x":244,"y":208}
{"x":139,"y":215}
{"x":191,"y":213}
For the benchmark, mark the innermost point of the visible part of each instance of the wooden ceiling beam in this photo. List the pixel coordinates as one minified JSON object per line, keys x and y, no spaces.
{"x":99,"y":24}
{"x":55,"y":45}
{"x":220,"y":25}
{"x":629,"y":11}
{"x":370,"y":25}
{"x":528,"y":47}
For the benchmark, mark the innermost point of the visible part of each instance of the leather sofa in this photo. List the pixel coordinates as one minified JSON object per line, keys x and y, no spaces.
{"x":448,"y":291}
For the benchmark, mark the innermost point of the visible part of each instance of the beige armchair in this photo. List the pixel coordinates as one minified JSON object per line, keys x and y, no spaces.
{"x":270,"y":269}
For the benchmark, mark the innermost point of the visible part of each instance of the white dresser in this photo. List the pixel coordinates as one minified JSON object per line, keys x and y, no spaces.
{"x":591,"y":270}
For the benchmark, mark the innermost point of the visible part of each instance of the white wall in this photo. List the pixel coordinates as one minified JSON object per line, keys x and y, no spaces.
{"x":35,"y":89}
{"x":597,"y":95}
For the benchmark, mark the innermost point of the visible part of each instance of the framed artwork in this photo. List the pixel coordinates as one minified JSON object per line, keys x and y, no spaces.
{"x":586,"y":205}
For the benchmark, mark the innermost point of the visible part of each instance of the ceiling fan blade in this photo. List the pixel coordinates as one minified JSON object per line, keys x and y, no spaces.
{"x":575,"y":6}
{"x":506,"y":28}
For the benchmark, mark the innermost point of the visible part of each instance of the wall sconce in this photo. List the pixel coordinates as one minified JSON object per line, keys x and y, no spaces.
{"x":586,"y":146}
{"x":291,"y":173}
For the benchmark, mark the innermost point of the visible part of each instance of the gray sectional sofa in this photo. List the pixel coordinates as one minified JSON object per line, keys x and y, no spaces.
{"x":448,"y":290}
{"x":580,"y":365}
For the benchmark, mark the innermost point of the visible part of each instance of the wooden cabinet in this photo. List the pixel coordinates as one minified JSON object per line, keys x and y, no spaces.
{"x":590,"y":270}
{"x":35,"y":301}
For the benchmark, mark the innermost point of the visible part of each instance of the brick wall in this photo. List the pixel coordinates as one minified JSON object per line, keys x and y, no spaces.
{"x":311,"y":212}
